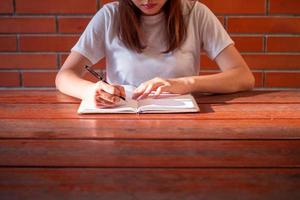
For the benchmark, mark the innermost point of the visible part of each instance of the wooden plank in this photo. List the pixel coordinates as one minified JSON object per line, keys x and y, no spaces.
{"x":251,"y":97}
{"x":148,"y":184}
{"x":35,"y":96}
{"x":149,"y":129}
{"x":53,"y":96}
{"x":207,"y":111}
{"x":157,"y":153}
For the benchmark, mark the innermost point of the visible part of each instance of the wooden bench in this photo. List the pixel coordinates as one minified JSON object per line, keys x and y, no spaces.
{"x":240,"y":146}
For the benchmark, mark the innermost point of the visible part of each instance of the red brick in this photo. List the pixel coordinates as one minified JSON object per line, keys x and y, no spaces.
{"x":27,"y":61}
{"x":39,"y":79}
{"x":259,"y":80}
{"x":284,"y":7}
{"x":222,"y":20}
{"x":206,"y":63}
{"x":248,"y":44}
{"x":101,"y":64}
{"x":90,"y":77}
{"x":266,"y":61}
{"x":261,"y":61}
{"x":27,"y":24}
{"x":283,"y":44}
{"x":106,"y":1}
{"x":287,"y":25}
{"x":63,"y":58}
{"x":236,"y":6}
{"x":6,"y":6}
{"x":56,"y":6}
{"x":9,"y":79}
{"x":47,"y":43}
{"x":72,"y":24}
{"x":248,"y":33}
{"x":8,"y":43}
{"x":282,"y":79}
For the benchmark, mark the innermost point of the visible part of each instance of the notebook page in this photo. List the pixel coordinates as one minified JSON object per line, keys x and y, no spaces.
{"x":128,"y":106}
{"x":169,"y":103}
{"x":129,"y":91}
{"x":123,"y":107}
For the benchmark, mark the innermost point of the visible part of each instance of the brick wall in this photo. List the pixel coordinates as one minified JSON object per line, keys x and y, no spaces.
{"x":36,"y":36}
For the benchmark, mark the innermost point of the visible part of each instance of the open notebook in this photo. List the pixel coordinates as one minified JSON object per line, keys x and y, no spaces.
{"x":166,"y":103}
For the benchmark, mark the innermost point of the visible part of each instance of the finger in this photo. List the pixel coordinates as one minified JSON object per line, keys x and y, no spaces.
{"x":102,"y":86}
{"x":154,"y":87}
{"x":139,"y":91}
{"x":122,"y":90}
{"x":105,"y":106}
{"x":108,"y":92}
{"x":160,"y":90}
{"x":102,"y":105}
{"x":101,"y":101}
{"x":108,"y":97}
{"x":146,"y":92}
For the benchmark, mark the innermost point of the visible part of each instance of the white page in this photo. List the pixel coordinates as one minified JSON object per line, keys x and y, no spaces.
{"x":122,"y":107}
{"x":165,"y":103}
{"x":128,"y":106}
{"x":129,"y":91}
{"x":169,"y":103}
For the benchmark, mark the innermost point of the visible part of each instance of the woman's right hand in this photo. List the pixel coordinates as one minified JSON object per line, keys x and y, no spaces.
{"x":104,"y":95}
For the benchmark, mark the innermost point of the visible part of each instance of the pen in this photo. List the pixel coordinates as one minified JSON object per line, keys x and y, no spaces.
{"x":100,"y":77}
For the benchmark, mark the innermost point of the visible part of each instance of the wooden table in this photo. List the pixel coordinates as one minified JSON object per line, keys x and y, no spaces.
{"x":240,"y":146}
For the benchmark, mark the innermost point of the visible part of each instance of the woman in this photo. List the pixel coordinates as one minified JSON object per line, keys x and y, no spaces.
{"x":155,"y":46}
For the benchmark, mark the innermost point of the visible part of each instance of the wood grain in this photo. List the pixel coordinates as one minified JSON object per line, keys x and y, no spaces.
{"x":149,"y":184}
{"x":263,"y":97}
{"x":35,"y":96}
{"x":53,"y":96}
{"x":207,"y":111}
{"x":240,"y":146}
{"x":149,"y":129}
{"x":120,"y":153}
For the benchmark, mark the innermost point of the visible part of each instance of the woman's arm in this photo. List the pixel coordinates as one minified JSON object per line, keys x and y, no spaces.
{"x":235,"y":76}
{"x":69,"y":81}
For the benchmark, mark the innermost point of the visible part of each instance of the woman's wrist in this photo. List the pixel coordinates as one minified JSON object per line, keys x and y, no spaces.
{"x":183,"y":84}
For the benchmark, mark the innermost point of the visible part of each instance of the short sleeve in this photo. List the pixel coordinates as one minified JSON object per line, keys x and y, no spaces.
{"x":213,"y":36}
{"x":91,"y":43}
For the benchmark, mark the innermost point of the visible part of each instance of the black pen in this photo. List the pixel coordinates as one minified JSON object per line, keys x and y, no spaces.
{"x":100,"y":77}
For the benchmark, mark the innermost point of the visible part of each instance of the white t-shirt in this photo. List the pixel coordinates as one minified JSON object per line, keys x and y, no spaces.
{"x":127,"y":67}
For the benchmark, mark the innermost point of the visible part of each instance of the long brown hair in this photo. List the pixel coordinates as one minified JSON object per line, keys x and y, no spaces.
{"x":131,"y":34}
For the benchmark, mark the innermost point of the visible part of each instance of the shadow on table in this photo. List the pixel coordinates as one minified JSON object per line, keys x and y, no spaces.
{"x":205,"y":100}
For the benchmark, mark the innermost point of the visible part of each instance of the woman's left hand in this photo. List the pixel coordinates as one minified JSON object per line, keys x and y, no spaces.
{"x":159,"y":85}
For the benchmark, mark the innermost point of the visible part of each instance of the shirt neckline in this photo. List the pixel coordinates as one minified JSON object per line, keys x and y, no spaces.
{"x":151,"y":19}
